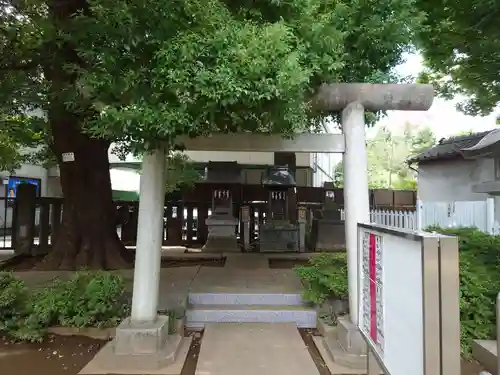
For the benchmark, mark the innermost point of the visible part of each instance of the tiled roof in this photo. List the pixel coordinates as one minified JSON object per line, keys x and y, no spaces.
{"x":449,"y":147}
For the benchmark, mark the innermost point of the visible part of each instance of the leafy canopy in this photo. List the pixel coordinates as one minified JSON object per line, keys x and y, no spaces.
{"x":388,"y":152}
{"x":140,"y":72}
{"x":460,"y":41}
{"x":21,"y":141}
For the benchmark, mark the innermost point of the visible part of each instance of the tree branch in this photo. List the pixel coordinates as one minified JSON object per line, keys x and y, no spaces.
{"x":19,"y":67}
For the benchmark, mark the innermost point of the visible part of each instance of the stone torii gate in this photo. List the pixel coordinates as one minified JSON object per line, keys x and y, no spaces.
{"x":352,"y":100}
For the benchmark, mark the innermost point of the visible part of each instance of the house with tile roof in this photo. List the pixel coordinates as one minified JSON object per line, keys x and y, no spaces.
{"x":460,"y":168}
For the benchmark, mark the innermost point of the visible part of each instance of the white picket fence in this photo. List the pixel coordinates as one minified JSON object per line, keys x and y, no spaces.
{"x":479,"y":214}
{"x":398,"y":219}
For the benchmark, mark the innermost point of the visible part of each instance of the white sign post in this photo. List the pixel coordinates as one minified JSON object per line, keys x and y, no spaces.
{"x":409,"y":301}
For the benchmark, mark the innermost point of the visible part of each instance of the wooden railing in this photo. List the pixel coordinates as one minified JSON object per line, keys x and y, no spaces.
{"x":184,"y":222}
{"x":184,"y":219}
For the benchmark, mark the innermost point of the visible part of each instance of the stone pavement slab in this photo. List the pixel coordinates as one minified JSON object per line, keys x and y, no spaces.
{"x":241,"y":280}
{"x":106,"y":353}
{"x":247,"y":261}
{"x":335,"y":368}
{"x":254,"y":349}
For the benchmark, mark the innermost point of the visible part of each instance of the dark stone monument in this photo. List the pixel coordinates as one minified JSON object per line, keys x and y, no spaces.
{"x":128,"y":217}
{"x":278,"y":234}
{"x":24,"y":223}
{"x":222,"y":223}
{"x":329,"y":228}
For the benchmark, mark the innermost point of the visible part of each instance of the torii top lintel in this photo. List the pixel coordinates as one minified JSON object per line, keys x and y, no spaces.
{"x":331,"y":97}
{"x":375,"y":97}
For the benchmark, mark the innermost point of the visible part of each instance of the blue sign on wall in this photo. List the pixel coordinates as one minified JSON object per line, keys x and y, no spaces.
{"x":14,"y":182}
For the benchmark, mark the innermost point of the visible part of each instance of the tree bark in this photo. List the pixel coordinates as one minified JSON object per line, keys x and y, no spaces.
{"x":87,"y":236}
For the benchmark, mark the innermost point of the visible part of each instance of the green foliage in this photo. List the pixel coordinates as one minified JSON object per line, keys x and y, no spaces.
{"x":230,"y":66}
{"x":460,"y":41}
{"x":325,"y":276}
{"x":21,"y":141}
{"x":387,"y":152}
{"x":479,"y":283}
{"x":145,"y":72}
{"x":338,"y":174}
{"x":14,"y":303}
{"x":87,"y":299}
{"x":181,"y":172}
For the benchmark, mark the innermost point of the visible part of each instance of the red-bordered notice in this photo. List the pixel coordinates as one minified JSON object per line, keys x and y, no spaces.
{"x":372,"y":304}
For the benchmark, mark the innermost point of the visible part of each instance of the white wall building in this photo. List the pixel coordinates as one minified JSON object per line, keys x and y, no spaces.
{"x":324,"y":164}
{"x":126,"y":172}
{"x":451,"y":172}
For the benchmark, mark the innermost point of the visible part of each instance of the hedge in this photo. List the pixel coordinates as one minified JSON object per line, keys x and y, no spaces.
{"x":326,"y":276}
{"x":87,"y":299}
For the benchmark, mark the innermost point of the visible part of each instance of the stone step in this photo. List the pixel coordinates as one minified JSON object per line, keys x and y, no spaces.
{"x":343,"y":358}
{"x":485,"y":352}
{"x":197,"y":316}
{"x":268,"y":299}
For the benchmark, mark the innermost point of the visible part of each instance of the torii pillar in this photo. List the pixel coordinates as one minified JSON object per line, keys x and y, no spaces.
{"x":146,"y":332}
{"x":353,"y":99}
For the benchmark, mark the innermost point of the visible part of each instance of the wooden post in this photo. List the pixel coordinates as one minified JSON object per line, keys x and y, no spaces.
{"x":490,"y":216}
{"x":302,"y":220}
{"x":55,"y":220}
{"x":202,"y":229}
{"x":174,"y":225}
{"x":43,"y":246}
{"x":168,"y":224}
{"x":245,"y":233}
{"x":189,"y":225}
{"x":129,"y":225}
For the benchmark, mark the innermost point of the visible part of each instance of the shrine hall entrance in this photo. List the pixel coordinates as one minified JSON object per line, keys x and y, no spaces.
{"x":236,"y":224}
{"x":272,"y":216}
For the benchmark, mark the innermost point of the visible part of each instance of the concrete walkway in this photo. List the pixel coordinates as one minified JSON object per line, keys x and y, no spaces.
{"x":245,"y":280}
{"x":246,"y":261}
{"x":254,"y":349}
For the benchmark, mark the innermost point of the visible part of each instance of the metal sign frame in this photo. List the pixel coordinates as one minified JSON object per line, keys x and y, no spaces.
{"x":440,"y":301}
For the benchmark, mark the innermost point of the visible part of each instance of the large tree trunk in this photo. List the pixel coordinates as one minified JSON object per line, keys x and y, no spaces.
{"x":87,"y":236}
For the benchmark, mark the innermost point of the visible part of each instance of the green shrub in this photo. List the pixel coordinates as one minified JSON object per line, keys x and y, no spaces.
{"x":16,"y":306}
{"x":88,"y":299}
{"x":14,"y":303}
{"x":479,"y":283}
{"x":325,"y":276}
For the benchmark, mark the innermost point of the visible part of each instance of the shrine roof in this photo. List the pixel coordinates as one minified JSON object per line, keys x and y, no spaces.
{"x":449,"y":148}
{"x":223,"y":172}
{"x":278,"y":176}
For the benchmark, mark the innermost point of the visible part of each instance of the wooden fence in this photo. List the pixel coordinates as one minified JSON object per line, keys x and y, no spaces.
{"x":184,"y":222}
{"x":185,"y":213}
{"x":379,"y":198}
